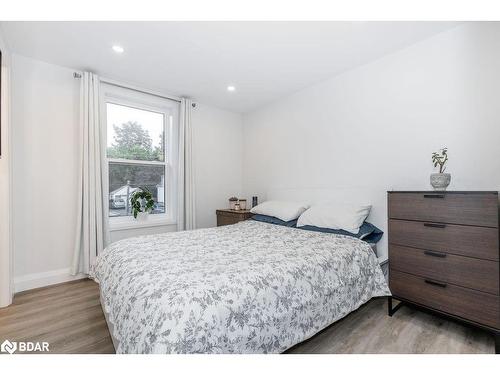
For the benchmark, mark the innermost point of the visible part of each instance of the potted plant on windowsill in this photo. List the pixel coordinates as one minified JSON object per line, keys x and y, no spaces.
{"x":441,"y":180}
{"x":142,"y":204}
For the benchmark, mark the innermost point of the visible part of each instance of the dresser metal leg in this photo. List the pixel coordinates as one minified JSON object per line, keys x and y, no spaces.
{"x":391,"y":310}
{"x":497,"y":343}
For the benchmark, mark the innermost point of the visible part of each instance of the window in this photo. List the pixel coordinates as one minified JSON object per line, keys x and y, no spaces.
{"x":140,"y":153}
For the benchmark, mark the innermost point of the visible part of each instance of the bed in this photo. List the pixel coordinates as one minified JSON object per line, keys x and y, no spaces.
{"x":251,"y":287}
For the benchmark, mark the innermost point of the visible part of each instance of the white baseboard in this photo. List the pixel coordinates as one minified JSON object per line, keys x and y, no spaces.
{"x":38,"y":280}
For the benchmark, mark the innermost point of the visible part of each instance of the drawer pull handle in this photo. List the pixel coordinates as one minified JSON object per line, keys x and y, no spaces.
{"x":435,"y":254}
{"x":432,"y":225}
{"x":441,"y":285}
{"x":437,"y":196}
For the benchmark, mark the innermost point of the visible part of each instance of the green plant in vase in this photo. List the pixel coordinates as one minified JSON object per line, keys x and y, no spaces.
{"x":440,"y":180}
{"x":142,"y":199}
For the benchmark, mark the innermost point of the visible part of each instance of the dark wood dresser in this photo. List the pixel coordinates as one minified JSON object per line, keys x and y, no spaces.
{"x":228,"y":217}
{"x":444,"y":254}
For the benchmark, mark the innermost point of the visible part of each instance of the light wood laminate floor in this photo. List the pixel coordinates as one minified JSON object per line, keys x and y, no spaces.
{"x":70,"y":318}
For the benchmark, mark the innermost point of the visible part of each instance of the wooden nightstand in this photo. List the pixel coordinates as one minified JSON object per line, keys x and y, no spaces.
{"x":228,"y":217}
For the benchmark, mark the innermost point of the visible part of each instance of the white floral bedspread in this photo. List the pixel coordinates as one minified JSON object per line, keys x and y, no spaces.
{"x":245,"y":288}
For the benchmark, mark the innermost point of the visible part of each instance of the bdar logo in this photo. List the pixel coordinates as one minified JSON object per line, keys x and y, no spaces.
{"x":8,"y":347}
{"x":24,"y":346}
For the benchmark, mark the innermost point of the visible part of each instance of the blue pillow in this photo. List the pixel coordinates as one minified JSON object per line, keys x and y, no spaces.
{"x":275,"y":220}
{"x":367,"y":232}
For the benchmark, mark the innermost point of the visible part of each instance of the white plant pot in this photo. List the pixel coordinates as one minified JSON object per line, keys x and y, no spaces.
{"x":142,"y":216}
{"x":440,"y":181}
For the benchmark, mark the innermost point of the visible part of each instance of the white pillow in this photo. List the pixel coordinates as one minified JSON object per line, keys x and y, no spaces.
{"x":335,"y":215}
{"x":283,"y":210}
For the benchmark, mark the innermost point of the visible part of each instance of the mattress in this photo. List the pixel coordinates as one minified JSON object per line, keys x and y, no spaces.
{"x":251,"y":287}
{"x":111,"y":326}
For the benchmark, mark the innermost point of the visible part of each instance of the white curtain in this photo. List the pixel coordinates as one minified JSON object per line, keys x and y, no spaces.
{"x":91,"y":231}
{"x":186,"y":219}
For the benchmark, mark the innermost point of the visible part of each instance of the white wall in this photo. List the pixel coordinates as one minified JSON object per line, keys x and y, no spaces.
{"x":218,"y":153}
{"x":6,"y":289}
{"x":376,"y":126}
{"x":45,"y":109}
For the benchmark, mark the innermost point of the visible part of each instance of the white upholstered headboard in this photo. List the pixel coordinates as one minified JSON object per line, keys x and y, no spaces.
{"x":375,"y":197}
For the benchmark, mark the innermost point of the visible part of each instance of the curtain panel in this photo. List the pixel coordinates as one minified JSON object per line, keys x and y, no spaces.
{"x":186,"y":216}
{"x":91,"y":231}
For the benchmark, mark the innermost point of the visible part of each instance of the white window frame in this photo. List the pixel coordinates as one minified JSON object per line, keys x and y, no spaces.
{"x":170,"y":111}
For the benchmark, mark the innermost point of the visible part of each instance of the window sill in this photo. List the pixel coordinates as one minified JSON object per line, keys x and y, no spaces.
{"x":131,"y":223}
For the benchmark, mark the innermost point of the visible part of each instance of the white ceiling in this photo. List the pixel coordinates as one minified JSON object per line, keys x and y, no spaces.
{"x":263,"y":60}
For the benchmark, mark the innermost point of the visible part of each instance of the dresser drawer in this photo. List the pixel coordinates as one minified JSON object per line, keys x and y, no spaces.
{"x":476,"y":306}
{"x":463,"y":271}
{"x":477,"y":242}
{"x":455,"y":208}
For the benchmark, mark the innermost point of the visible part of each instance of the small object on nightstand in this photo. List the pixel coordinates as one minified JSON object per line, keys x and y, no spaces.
{"x":228,"y":217}
{"x":237,"y":206}
{"x":243,"y":204}
{"x":255,"y":201}
{"x":232,"y":202}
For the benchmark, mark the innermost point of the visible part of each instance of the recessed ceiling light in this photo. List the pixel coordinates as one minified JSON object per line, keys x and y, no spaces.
{"x":231,"y":88}
{"x":118,"y":49}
